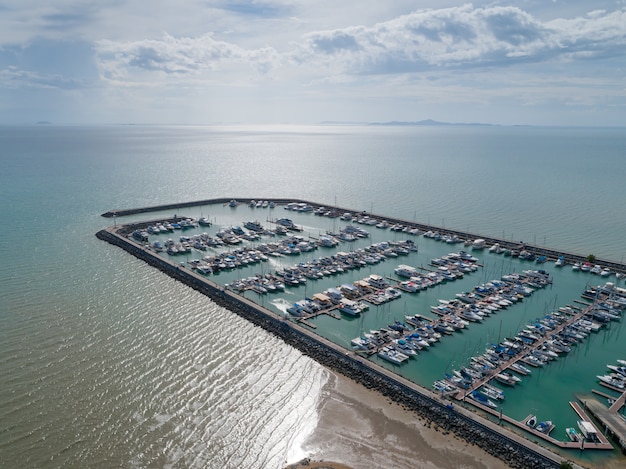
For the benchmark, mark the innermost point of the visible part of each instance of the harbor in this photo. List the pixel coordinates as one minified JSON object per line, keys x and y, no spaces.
{"x":243,"y":291}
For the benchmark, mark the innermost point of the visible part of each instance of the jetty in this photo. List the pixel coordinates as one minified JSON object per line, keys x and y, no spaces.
{"x":610,"y":418}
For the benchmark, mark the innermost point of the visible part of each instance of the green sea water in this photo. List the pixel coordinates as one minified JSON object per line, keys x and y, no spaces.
{"x":105,"y":362}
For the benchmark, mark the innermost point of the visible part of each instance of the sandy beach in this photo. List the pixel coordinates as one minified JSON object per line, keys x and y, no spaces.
{"x":362,"y":429}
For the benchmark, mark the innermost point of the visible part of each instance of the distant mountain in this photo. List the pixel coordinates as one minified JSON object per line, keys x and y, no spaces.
{"x":427,"y":122}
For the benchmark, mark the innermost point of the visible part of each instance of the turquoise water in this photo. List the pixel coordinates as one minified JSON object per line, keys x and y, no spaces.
{"x":104,"y":361}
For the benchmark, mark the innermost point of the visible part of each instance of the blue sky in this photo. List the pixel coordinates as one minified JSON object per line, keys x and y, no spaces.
{"x":545,"y":62}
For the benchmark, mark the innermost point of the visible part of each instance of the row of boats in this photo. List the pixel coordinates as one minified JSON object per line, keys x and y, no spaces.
{"x":351,"y":299}
{"x":617,"y":378}
{"x":490,"y":297}
{"x":540,"y":342}
{"x":591,"y":268}
{"x":544,"y":426}
{"x":402,"y":340}
{"x":290,"y":246}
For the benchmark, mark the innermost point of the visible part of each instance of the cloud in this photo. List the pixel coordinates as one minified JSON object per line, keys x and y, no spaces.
{"x":178,"y":56}
{"x":462,"y":37}
{"x":13,"y":78}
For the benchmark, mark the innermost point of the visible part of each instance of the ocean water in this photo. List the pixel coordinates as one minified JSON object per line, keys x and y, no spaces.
{"x":106,"y":362}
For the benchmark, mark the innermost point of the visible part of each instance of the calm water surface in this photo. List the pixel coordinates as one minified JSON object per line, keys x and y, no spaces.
{"x":105,"y":362}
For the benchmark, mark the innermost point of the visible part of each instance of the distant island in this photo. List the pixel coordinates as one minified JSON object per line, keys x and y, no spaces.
{"x":425,"y":122}
{"x":429,"y":122}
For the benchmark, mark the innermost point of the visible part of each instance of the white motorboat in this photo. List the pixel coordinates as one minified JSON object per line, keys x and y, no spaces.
{"x":393,"y":356}
{"x":349,"y":307}
{"x":406,"y":271}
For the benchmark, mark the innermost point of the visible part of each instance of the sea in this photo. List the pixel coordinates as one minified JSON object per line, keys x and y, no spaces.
{"x":106,"y":362}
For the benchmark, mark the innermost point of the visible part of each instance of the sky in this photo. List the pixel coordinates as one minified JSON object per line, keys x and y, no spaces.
{"x":524,"y":62}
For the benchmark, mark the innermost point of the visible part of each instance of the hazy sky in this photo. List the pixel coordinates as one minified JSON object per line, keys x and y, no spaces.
{"x":552,"y":62}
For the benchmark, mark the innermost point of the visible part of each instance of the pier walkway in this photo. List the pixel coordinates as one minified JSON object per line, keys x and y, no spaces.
{"x":520,"y":356}
{"x":618,"y":425}
{"x":610,"y":418}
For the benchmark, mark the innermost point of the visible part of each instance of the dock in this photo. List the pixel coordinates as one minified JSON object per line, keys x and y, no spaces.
{"x":461,"y":395}
{"x":613,"y":423}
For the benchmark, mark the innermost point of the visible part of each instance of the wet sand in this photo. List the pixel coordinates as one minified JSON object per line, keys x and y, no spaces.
{"x":363,"y":429}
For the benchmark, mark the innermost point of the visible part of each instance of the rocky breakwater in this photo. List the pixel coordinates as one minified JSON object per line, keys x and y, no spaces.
{"x":442,"y":415}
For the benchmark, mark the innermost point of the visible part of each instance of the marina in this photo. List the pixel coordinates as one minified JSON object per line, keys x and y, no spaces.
{"x":397,"y":344}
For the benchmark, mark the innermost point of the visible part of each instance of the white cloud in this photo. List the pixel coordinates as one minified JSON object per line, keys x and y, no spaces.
{"x":462,"y":36}
{"x":178,"y":56}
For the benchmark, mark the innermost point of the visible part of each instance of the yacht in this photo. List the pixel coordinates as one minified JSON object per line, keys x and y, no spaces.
{"x":588,"y":430}
{"x":618,"y":369}
{"x":253,"y":225}
{"x":406,"y":271}
{"x":519,"y":368}
{"x":478,"y":244}
{"x":612,"y":380}
{"x":377,"y":281}
{"x":349,"y":307}
{"x":393,"y":356}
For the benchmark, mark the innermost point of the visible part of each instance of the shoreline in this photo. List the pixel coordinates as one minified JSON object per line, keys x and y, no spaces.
{"x":360,"y":428}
